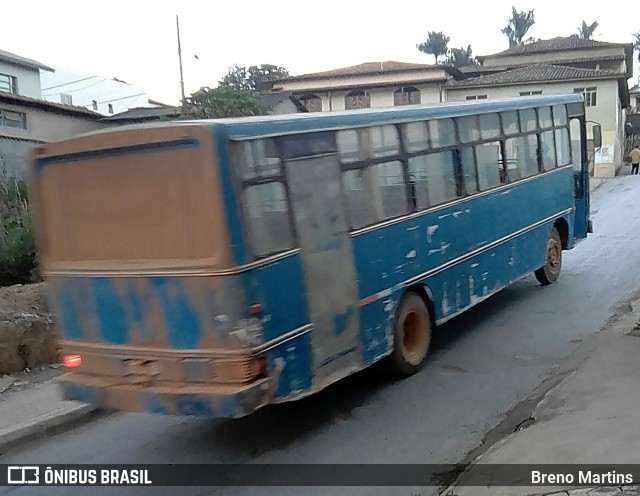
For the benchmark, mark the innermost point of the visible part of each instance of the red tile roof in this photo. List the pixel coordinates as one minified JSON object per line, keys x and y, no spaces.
{"x":555,"y":45}
{"x":536,"y":73}
{"x":368,"y":68}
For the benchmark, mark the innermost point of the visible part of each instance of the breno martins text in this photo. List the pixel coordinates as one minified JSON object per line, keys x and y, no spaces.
{"x":586,"y":477}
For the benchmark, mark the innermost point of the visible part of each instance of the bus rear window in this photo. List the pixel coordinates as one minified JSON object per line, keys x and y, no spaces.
{"x":136,"y":205}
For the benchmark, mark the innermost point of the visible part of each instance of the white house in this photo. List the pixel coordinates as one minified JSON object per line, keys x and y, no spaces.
{"x":107,"y":96}
{"x":21,"y":76}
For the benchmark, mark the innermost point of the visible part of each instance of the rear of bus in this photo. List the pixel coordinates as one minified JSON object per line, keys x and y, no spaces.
{"x":131,"y":231}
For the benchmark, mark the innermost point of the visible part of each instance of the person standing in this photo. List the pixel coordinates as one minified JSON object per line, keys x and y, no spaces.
{"x":635,"y":160}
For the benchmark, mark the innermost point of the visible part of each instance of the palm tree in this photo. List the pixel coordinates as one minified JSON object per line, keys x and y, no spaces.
{"x":585,"y":31}
{"x":460,"y":57}
{"x":518,"y":25}
{"x":435,"y":45}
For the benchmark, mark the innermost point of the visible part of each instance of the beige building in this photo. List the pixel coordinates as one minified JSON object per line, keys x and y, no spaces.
{"x":372,"y":84}
{"x":596,"y":69}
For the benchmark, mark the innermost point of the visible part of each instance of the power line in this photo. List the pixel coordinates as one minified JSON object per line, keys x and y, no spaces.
{"x":70,"y":82}
{"x":115,"y":99}
{"x":78,"y":89}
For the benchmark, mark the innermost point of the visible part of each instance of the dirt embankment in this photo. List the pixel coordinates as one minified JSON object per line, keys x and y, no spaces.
{"x":27,"y":335}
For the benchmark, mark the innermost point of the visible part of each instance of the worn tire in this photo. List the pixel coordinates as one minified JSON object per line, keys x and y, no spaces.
{"x":412,"y":335}
{"x":550,"y":271}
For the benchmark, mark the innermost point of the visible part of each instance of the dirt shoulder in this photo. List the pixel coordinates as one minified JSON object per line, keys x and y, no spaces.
{"x":27,"y":334}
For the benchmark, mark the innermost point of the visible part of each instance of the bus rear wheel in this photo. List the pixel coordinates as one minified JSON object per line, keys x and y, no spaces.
{"x":412,"y":335}
{"x":550,"y":271}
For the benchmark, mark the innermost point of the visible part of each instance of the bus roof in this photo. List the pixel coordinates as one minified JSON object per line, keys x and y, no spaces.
{"x":270,"y":125}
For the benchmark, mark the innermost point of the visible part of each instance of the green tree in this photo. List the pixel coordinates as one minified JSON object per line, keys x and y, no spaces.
{"x":436,"y":44}
{"x":253,"y":77}
{"x":223,"y":101}
{"x":585,"y":31}
{"x":517,"y":26}
{"x":460,"y":57}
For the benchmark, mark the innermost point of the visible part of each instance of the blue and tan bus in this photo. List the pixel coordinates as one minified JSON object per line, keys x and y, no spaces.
{"x":213,"y":267}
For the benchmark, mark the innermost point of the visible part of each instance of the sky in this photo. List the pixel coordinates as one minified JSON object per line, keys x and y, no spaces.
{"x":135,"y":40}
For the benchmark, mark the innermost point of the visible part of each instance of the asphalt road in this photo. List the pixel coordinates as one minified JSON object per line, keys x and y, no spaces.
{"x":483,"y":363}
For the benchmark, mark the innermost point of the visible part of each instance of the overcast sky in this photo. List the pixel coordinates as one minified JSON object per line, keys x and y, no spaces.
{"x":135,"y":40}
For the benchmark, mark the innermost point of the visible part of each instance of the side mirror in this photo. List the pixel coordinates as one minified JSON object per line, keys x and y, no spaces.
{"x":597,"y":136}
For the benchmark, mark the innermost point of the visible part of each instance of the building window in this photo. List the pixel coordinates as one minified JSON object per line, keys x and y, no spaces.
{"x":406,"y":96}
{"x":530,"y":93}
{"x":111,"y":108}
{"x":66,"y":99}
{"x":8,"y":84}
{"x":9,"y":118}
{"x":589,"y":95}
{"x":94,"y":104}
{"x":477,"y":97}
{"x":313,"y":103}
{"x":357,"y":99}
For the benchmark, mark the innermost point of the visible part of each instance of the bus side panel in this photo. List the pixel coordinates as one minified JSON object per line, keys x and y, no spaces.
{"x":388,"y":258}
{"x":279,"y":289}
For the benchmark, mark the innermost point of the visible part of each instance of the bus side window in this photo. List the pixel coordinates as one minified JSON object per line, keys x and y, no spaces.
{"x":442,"y":133}
{"x":434,"y":178}
{"x":528,"y":120}
{"x":374,"y":193}
{"x":490,"y":165}
{"x":258,"y":158}
{"x":544,"y":116}
{"x":415,"y":137}
{"x":468,"y":128}
{"x":268,"y":218}
{"x":348,"y":146}
{"x":548,"y":150}
{"x":521,"y":155}
{"x":384,"y":141}
{"x":559,"y":115}
{"x":469,"y":172}
{"x":510,"y":122}
{"x":576,"y":145}
{"x":490,"y":126}
{"x":264,"y":196}
{"x":562,"y":147}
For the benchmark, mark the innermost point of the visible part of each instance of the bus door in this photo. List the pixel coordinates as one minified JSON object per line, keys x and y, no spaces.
{"x":315,"y":188}
{"x":582,"y":223}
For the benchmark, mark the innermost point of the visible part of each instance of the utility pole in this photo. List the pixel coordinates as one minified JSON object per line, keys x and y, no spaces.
{"x":180,"y":60}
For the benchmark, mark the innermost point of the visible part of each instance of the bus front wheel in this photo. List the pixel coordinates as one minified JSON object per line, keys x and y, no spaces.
{"x":550,"y":271}
{"x":412,"y":335}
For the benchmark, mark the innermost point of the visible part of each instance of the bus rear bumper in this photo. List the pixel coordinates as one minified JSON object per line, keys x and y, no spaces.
{"x":207,"y":401}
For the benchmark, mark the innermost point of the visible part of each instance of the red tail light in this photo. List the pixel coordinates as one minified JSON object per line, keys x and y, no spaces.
{"x":72,"y":361}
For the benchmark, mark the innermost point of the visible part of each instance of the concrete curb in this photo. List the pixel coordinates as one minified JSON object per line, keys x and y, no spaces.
{"x":51,"y":423}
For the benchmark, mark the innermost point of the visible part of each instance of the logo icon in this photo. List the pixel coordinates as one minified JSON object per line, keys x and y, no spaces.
{"x":23,"y":475}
